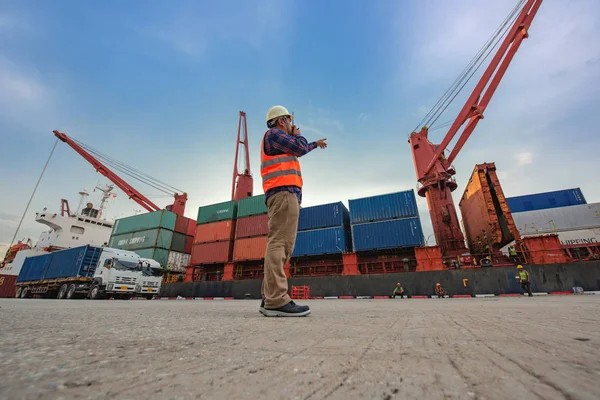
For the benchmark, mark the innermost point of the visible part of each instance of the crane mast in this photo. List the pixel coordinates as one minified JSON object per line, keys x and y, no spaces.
{"x":434,"y":170}
{"x":242,"y":184}
{"x":178,"y":207}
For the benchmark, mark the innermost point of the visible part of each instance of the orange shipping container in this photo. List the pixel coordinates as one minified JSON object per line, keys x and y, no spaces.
{"x":250,"y":248}
{"x":191,"y":231}
{"x":486,"y":217}
{"x":211,"y":253}
{"x":214,"y":232}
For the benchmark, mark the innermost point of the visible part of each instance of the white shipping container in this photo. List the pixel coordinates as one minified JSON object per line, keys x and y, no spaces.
{"x":554,"y":220}
{"x":178,"y":261}
{"x":581,"y":236}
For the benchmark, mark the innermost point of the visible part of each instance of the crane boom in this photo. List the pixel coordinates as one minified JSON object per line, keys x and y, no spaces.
{"x":242,"y":185}
{"x":434,"y":171}
{"x":177,"y":207}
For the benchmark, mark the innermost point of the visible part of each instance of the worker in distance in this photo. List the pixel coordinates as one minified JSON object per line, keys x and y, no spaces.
{"x":281,"y":146}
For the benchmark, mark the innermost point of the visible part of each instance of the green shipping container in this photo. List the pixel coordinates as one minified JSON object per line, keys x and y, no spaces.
{"x":159,"y":255}
{"x":217,"y":212}
{"x":144,"y":239}
{"x":250,"y":206}
{"x":157,"y":219}
{"x":178,"y":243}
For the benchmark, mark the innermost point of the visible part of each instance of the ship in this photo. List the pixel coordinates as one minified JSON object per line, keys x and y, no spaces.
{"x":86,"y":225}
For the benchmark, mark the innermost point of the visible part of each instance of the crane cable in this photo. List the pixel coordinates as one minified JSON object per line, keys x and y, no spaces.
{"x":32,"y":194}
{"x":130,"y":171}
{"x":465,"y":76}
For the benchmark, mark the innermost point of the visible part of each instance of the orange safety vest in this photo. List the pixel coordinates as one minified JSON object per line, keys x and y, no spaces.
{"x":280,"y":170}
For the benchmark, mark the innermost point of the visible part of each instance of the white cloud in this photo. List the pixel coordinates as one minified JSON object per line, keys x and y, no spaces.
{"x":524,"y":158}
{"x":363,"y":117}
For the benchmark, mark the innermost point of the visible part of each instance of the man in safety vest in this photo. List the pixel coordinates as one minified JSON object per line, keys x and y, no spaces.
{"x":280,"y":149}
{"x":524,"y":278}
{"x":512,"y":251}
{"x":398,"y":291}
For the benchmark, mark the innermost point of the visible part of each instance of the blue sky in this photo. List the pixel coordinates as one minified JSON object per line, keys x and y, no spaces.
{"x":159,"y":85}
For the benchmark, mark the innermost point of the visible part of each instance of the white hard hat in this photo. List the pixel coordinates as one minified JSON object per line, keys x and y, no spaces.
{"x":277,"y":111}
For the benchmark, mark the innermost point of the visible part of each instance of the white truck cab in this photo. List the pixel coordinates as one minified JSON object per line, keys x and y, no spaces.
{"x":117,"y":274}
{"x":150,"y":278}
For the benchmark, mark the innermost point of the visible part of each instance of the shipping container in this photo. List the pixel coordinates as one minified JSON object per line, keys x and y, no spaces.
{"x":250,"y":248}
{"x":383,"y":207}
{"x":188,"y":243}
{"x":583,"y":237}
{"x":178,"y":243}
{"x":397,"y":233}
{"x":73,"y":262}
{"x":178,"y":261}
{"x":210,"y":253}
{"x":215,"y":232}
{"x":486,"y":218}
{"x":321,"y":241}
{"x":182,"y":224}
{"x":550,"y":220}
{"x":324,"y":216}
{"x":15,"y":266}
{"x":160,"y":238}
{"x":217,"y":212}
{"x":7,"y":286}
{"x":161,"y":256}
{"x":541,"y":201}
{"x":256,"y":225}
{"x":142,"y":222}
{"x":34,"y":268}
{"x":191,"y":227}
{"x":250,"y":206}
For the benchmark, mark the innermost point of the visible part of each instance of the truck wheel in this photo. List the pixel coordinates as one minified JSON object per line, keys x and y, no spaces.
{"x":18,"y":292}
{"x":62,"y":291}
{"x":25,"y":292}
{"x":94,"y":293}
{"x":71,"y":292}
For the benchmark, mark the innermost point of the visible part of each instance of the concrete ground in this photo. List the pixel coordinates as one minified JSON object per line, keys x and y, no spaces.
{"x":496,"y":348}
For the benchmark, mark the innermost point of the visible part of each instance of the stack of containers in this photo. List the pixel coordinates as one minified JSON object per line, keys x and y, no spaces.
{"x":215,"y":227}
{"x":157,"y":235}
{"x":323,"y":230}
{"x":252,"y":228}
{"x":388,"y":221}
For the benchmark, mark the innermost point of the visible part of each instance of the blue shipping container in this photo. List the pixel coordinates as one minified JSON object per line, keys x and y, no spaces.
{"x":541,"y":201}
{"x":383,"y":207}
{"x":34,"y":268}
{"x":324,"y":216}
{"x":321,"y":241}
{"x":74,"y":262}
{"x":406,"y":232}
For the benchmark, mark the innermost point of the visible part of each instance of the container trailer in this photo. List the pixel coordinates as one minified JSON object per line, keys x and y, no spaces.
{"x":90,"y":272}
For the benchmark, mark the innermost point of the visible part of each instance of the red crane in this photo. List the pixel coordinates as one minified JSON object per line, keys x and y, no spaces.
{"x":178,"y":207}
{"x":242,"y":184}
{"x":434,"y":170}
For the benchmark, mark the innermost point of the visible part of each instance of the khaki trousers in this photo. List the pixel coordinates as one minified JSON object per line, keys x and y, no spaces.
{"x":284,"y":211}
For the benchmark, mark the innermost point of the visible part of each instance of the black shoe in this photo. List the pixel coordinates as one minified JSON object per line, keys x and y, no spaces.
{"x":291,"y":309}
{"x":261,"y":309}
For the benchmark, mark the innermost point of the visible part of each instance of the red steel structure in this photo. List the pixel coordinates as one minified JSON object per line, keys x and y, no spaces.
{"x":434,"y":170}
{"x":242,"y":184}
{"x":178,"y":207}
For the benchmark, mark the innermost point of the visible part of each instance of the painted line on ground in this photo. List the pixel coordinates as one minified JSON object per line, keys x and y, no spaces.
{"x":592,"y":292}
{"x":485,"y":295}
{"x":462,"y":296}
{"x":539,"y":293}
{"x":346,"y":297}
{"x":419,"y":297}
{"x":560,"y":293}
{"x":381,"y":297}
{"x":330,"y":297}
{"x":509,"y":295}
{"x":363,"y":297}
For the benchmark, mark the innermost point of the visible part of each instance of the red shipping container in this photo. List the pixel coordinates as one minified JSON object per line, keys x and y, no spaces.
{"x":214,"y":232}
{"x":211,"y":253}
{"x":191,"y":227}
{"x":250,"y":248}
{"x":7,"y":285}
{"x":188,"y":245}
{"x":181,"y":224}
{"x":256,"y":225}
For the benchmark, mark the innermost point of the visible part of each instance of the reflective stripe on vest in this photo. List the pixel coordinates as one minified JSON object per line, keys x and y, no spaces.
{"x":281,"y":170}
